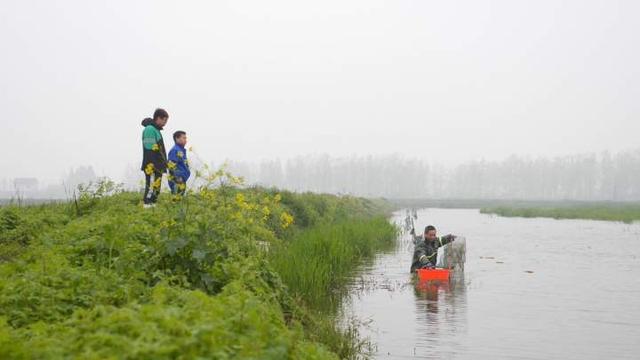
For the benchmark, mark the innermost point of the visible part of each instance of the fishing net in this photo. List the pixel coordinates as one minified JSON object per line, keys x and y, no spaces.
{"x":452,"y":255}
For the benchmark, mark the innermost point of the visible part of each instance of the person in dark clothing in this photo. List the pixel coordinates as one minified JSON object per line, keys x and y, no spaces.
{"x":154,"y":155}
{"x":178,"y":164}
{"x":426,"y":249}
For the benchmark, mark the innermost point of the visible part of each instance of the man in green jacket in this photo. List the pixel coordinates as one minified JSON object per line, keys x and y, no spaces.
{"x":425,"y":252}
{"x":154,"y":155}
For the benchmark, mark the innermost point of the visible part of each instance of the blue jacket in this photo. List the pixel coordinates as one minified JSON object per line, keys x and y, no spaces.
{"x":178,"y":156}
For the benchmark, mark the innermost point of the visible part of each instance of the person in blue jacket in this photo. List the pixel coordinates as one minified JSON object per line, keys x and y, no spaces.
{"x":178,"y":164}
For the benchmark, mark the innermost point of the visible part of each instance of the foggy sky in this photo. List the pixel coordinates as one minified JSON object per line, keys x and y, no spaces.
{"x":447,"y":81}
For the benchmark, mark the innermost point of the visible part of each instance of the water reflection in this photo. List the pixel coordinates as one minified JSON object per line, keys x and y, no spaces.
{"x":440,"y":291}
{"x":441,"y":314}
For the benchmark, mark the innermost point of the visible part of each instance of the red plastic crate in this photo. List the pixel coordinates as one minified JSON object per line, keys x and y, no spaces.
{"x":433,"y":274}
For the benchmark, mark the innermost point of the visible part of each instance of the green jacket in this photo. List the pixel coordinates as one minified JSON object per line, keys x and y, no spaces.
{"x":154,"y":154}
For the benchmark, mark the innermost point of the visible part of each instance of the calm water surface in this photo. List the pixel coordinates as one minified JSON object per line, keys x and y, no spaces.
{"x":532,"y":289}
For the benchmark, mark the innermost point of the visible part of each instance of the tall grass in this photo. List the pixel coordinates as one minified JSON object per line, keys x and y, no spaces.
{"x":623,"y":213}
{"x":316,"y":263}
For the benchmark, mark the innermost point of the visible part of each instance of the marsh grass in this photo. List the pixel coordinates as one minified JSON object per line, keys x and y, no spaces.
{"x":316,"y":264}
{"x":624,"y":213}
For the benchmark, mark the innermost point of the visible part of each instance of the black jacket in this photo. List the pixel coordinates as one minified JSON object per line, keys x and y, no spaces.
{"x":428,"y":249}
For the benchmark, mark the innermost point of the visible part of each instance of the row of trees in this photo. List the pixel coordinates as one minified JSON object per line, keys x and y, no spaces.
{"x":578,"y":177}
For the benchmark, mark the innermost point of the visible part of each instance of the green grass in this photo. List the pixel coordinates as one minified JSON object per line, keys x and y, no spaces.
{"x":317,"y":263}
{"x":624,"y":213}
{"x":221,"y":274}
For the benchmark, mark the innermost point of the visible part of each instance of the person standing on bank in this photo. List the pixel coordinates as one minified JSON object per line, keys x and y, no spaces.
{"x":178,"y":164}
{"x":154,"y":156}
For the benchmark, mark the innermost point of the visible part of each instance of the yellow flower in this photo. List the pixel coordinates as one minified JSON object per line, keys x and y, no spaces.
{"x":277,"y":198}
{"x":168,"y":223}
{"x":208,"y":194}
{"x":157,"y":183}
{"x":149,"y":169}
{"x":155,"y":147}
{"x":285,"y":220}
{"x":266,"y":211}
{"x":180,"y":154}
{"x":171,"y":165}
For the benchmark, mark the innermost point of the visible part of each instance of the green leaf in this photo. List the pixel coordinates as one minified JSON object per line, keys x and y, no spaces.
{"x":198,"y":255}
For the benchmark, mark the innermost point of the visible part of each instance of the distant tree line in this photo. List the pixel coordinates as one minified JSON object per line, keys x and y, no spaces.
{"x":601,"y":177}
{"x":577,"y":177}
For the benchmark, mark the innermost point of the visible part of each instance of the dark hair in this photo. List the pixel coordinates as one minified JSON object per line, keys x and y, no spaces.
{"x":160,"y":113}
{"x":178,"y":134}
{"x":429,"y":228}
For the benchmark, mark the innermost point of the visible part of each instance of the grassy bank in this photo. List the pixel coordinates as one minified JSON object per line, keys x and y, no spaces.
{"x":626,"y":213}
{"x":224,"y":273}
{"x":319,"y":261}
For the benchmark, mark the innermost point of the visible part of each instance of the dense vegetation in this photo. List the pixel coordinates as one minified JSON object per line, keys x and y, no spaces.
{"x":226,"y":272}
{"x":627,"y":213}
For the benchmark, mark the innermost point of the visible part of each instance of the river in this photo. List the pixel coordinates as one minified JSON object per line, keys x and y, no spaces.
{"x":532,"y":289}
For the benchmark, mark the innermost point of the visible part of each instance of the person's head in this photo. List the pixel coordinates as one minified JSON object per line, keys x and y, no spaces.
{"x":180,"y":138}
{"x":160,"y":117}
{"x":430,"y":233}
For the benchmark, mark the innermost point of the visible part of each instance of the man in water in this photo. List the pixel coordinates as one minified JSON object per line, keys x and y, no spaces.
{"x":426,"y":251}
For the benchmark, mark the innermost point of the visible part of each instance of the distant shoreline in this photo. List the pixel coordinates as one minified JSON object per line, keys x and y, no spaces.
{"x":626,"y":213}
{"x":513,"y":204}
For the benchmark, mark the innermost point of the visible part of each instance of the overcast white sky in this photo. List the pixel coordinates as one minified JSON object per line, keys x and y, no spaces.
{"x":444,"y":80}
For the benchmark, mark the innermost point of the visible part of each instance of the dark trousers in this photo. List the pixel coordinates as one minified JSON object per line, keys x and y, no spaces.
{"x":152,"y":185}
{"x":178,"y":187}
{"x":177,"y":184}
